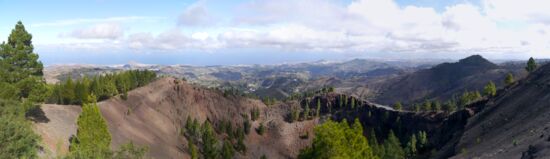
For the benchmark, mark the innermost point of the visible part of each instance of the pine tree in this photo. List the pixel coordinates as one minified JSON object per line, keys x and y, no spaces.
{"x":68,"y":91}
{"x":294,"y":114}
{"x":209,"y":141}
{"x":261,"y":129}
{"x":17,"y":138}
{"x":411,"y":147}
{"x":427,"y":106}
{"x":20,"y":67}
{"x":449,"y":107}
{"x":306,"y":111}
{"x":341,"y":101}
{"x":17,"y":59}
{"x":490,"y":89}
{"x":377,"y":149}
{"x":393,"y":148}
{"x":318,"y":110}
{"x":417,"y":108}
{"x":227,"y":150}
{"x":398,"y":106}
{"x":422,"y":139}
{"x":531,"y":65}
{"x":509,"y":79}
{"x":92,"y":136}
{"x":436,"y":106}
{"x":193,"y":151}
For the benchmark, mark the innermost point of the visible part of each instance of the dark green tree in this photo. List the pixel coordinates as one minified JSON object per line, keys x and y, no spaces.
{"x":17,"y":58}
{"x":531,"y":65}
{"x":393,"y":148}
{"x":377,"y":149}
{"x":20,"y":67}
{"x":261,"y":129}
{"x":209,"y":141}
{"x":8,"y":91}
{"x":92,"y":136}
{"x":307,"y":111}
{"x":318,"y":110}
{"x":68,"y":92}
{"x":17,"y":138}
{"x":227,"y":150}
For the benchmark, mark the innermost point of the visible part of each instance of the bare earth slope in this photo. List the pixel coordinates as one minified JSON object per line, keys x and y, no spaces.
{"x":154,"y":115}
{"x":57,"y":128}
{"x":515,"y":124}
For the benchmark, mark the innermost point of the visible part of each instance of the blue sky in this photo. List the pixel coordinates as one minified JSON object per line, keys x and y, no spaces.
{"x":221,"y":32}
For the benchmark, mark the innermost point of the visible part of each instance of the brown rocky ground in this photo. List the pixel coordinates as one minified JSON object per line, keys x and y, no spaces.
{"x":155,"y":114}
{"x":57,"y":128}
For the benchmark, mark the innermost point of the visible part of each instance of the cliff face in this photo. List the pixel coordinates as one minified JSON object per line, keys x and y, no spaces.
{"x":443,"y":129}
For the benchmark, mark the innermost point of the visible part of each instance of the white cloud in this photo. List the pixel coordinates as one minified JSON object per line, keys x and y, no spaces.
{"x":525,"y":10}
{"x":99,"y":31}
{"x":196,"y":15}
{"x":169,"y":41}
{"x":495,"y":27}
{"x":68,"y":22}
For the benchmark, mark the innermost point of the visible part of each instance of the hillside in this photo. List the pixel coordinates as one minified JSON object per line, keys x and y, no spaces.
{"x":512,"y":125}
{"x":443,"y":81}
{"x":154,"y":115}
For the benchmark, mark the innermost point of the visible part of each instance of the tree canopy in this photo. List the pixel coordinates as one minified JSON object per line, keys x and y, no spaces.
{"x":103,"y":86}
{"x":16,"y":135}
{"x":338,"y":140}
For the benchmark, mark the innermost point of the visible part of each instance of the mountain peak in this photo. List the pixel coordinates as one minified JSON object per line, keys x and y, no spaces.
{"x":475,"y":59}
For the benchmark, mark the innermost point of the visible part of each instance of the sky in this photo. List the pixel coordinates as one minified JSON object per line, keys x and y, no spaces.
{"x":222,"y":32}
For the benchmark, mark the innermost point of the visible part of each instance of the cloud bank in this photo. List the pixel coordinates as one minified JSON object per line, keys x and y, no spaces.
{"x":364,"y":26}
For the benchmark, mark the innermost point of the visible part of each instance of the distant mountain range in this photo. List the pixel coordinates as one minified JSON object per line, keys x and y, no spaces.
{"x":445,"y":80}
